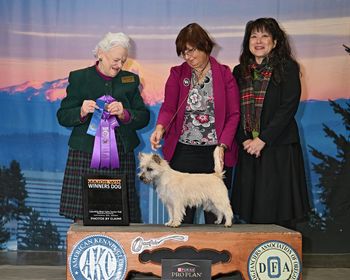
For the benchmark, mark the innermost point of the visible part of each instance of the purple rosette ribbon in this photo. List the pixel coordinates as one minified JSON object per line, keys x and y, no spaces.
{"x":105,"y":153}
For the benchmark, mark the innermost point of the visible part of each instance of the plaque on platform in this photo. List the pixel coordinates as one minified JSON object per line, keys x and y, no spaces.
{"x":182,"y":269}
{"x":105,"y":201}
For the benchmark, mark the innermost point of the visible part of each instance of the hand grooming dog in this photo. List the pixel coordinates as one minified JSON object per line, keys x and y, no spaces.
{"x":178,"y":190}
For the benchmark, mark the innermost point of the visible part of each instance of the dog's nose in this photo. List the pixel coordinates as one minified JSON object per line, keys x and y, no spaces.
{"x":142,"y":177}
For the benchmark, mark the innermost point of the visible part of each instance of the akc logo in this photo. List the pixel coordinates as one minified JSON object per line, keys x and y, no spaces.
{"x":274,"y":260}
{"x":97,"y":257}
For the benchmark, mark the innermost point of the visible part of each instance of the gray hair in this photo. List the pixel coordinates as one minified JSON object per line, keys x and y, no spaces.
{"x":111,"y":40}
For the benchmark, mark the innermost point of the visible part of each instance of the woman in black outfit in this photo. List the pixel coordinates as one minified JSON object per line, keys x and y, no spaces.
{"x":269,"y":183}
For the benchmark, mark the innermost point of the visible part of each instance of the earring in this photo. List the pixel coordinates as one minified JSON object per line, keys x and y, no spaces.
{"x":100,"y":59}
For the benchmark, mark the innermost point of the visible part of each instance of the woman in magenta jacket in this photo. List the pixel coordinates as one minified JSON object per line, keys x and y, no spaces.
{"x":200,"y":111}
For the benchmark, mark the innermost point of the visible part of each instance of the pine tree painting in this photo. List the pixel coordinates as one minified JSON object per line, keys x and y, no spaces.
{"x":35,"y":233}
{"x":12,"y":198}
{"x":331,"y":232}
{"x":38,"y":234}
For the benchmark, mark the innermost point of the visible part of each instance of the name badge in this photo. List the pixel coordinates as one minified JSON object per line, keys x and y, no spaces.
{"x":128,"y":79}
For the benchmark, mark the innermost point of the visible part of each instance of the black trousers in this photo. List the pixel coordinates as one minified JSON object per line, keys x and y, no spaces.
{"x":197,"y":159}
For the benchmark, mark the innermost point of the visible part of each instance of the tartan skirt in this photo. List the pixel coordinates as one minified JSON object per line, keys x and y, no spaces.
{"x":78,"y":165}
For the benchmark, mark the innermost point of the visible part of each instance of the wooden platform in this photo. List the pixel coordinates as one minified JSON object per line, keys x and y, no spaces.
{"x":256,"y":251}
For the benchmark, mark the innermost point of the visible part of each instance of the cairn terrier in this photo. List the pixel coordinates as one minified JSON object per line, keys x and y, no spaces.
{"x":177,"y":190}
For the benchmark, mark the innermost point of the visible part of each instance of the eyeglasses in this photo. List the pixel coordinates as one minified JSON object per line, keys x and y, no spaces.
{"x":188,"y":52}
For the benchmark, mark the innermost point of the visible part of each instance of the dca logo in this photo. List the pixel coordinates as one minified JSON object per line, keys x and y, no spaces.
{"x":97,"y":257}
{"x":274,"y":260}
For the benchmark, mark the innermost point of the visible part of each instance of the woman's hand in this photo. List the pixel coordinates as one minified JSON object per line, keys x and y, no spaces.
{"x":254,"y":146}
{"x":222,"y":149}
{"x":117,"y":109}
{"x":156,"y":136}
{"x":246,"y":142}
{"x":88,"y":106}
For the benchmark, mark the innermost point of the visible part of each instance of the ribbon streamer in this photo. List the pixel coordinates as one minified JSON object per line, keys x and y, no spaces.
{"x":105,"y":153}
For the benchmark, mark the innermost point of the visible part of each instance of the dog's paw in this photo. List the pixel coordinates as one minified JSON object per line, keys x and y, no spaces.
{"x":228,"y":224}
{"x":168,"y":224}
{"x":175,"y":224}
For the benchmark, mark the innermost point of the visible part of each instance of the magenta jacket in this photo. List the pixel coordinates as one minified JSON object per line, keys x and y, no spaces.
{"x":226,"y":108}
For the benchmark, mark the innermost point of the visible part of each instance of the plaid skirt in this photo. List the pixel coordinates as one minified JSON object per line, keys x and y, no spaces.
{"x":78,"y":165}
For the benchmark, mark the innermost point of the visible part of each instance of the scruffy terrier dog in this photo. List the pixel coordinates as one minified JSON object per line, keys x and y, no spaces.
{"x":177,"y":190}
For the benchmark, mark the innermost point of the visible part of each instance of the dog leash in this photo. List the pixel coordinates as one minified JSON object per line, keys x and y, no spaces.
{"x":173,"y":117}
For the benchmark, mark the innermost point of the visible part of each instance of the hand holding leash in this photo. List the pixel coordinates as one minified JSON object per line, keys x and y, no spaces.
{"x":156,"y":136}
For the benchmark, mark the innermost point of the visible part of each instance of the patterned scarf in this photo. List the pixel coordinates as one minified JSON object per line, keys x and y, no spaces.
{"x":253,"y":90}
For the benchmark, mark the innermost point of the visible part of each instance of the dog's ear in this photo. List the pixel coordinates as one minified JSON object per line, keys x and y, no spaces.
{"x":140,"y":156}
{"x":156,"y":158}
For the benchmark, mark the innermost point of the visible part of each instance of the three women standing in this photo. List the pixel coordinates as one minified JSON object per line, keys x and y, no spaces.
{"x":200,"y":111}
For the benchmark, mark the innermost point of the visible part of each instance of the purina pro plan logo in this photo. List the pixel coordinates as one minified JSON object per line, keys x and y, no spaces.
{"x":97,"y":257}
{"x":274,"y":260}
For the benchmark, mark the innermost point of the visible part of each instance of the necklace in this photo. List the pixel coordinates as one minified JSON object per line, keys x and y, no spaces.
{"x":199,"y":74}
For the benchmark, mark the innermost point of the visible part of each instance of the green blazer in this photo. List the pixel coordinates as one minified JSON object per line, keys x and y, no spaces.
{"x":87,"y":84}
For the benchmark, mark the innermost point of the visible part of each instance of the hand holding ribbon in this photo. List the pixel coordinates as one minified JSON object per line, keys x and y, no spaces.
{"x":88,"y":106}
{"x":105,"y":153}
{"x":116,"y":108}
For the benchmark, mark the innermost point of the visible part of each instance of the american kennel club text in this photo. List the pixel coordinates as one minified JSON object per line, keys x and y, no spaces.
{"x":98,"y":257}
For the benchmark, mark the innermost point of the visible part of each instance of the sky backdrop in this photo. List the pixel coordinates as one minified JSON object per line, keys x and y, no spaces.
{"x":44,"y":40}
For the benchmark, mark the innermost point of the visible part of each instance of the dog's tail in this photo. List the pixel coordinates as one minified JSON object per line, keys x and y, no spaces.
{"x":218,"y":164}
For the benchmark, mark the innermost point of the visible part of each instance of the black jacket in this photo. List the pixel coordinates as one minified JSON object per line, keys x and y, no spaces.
{"x":87,"y":84}
{"x":277,"y":122}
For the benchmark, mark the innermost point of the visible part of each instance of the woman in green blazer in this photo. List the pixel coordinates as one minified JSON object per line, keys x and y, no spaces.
{"x":105,"y":80}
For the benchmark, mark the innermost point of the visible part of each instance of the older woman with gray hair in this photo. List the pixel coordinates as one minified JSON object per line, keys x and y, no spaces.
{"x":102,"y":93}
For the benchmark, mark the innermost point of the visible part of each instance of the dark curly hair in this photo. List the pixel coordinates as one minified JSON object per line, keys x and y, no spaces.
{"x":278,"y":56}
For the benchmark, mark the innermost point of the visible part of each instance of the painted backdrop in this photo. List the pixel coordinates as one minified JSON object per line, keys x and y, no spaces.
{"x":42,"y":41}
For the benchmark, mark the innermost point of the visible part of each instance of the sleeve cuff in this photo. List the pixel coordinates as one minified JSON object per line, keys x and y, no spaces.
{"x":83,"y":119}
{"x":127,"y":116}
